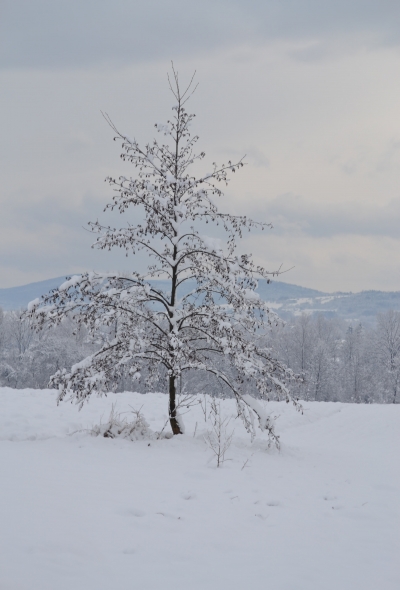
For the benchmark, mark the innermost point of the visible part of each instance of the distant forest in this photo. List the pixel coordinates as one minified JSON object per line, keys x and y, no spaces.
{"x":337,"y":360}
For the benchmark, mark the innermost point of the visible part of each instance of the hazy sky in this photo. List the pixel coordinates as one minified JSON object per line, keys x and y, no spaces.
{"x":308,"y":89}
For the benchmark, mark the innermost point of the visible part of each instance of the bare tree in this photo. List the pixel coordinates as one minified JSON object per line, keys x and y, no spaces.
{"x":20,"y":330}
{"x":218,"y":438}
{"x":323,"y":357}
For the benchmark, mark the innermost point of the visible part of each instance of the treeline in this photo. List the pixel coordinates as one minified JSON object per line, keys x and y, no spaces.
{"x":337,"y":361}
{"x":342,"y":362}
{"x":28,"y":358}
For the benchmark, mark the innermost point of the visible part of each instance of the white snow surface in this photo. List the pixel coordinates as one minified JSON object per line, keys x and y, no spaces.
{"x":79,"y":512}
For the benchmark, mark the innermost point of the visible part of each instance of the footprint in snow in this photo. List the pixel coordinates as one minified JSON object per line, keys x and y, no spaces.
{"x":334,"y":506}
{"x":188,"y":495}
{"x":135,"y":512}
{"x":168,"y":515}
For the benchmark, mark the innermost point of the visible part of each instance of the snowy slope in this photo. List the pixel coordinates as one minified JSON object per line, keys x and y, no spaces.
{"x":85,"y":513}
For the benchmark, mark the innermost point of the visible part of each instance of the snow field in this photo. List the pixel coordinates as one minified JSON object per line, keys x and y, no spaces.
{"x":87,"y":513}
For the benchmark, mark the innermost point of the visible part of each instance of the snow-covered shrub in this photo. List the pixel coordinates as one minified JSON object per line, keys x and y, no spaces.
{"x":120,"y":426}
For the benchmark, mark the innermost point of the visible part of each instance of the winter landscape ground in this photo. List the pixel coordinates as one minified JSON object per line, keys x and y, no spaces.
{"x":80,"y":512}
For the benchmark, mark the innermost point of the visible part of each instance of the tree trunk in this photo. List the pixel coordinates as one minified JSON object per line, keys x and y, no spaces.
{"x":172,"y":407}
{"x":172,"y":381}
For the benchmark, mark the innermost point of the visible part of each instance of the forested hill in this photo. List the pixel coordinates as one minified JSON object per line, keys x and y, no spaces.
{"x":286,"y":299}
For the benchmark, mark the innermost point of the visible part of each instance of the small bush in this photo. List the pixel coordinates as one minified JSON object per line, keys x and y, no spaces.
{"x":119,"y":426}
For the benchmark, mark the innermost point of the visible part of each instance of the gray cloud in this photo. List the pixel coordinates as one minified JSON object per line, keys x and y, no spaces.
{"x":320,"y":219}
{"x":388,"y":159}
{"x":51,"y":33}
{"x":307,"y":89}
{"x":33,"y":216}
{"x":51,"y":235}
{"x":55,"y":33}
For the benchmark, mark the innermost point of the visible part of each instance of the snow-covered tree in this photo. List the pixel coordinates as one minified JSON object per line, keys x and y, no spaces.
{"x":209,"y":319}
{"x":387,"y":349}
{"x":354,"y":363}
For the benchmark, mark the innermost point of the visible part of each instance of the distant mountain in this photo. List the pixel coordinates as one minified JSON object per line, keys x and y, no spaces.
{"x":286,"y":299}
{"x":361,"y":307}
{"x":19,"y":297}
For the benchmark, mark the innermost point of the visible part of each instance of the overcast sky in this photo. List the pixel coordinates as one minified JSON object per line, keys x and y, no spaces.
{"x":308,"y":89}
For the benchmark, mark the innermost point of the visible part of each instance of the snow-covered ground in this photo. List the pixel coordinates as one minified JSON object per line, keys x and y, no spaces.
{"x":84,"y":513}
